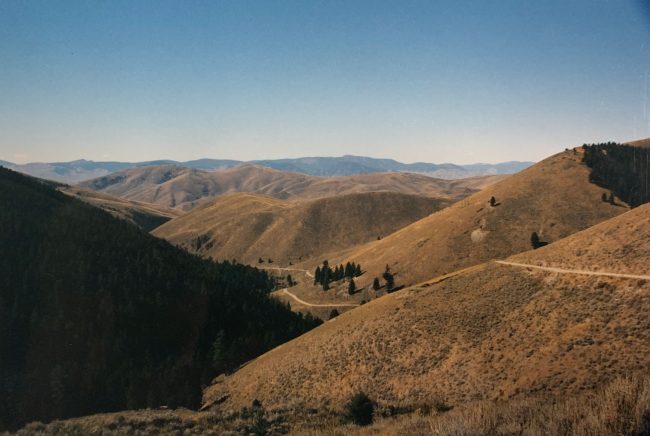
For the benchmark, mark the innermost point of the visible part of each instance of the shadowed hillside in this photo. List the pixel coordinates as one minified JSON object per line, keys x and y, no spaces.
{"x":553,"y":198}
{"x":144,"y":215}
{"x":250,"y":226}
{"x":183,"y":188}
{"x":491,"y":332}
{"x":97,"y":315}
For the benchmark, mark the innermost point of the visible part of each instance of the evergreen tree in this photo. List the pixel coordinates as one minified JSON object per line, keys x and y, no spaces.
{"x":388,"y":277}
{"x":289,"y":280}
{"x":535,"y":241}
{"x":334,"y":313}
{"x":612,"y":199}
{"x":375,"y":284}
{"x":318,"y":276}
{"x":352,"y":287}
{"x":493,"y":201}
{"x":357,"y":271}
{"x":348,"y":270}
{"x":604,"y":197}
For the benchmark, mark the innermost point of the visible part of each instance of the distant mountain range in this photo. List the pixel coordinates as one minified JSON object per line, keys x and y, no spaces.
{"x":82,"y":170}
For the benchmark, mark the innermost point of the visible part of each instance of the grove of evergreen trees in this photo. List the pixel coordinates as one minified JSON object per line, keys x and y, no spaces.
{"x":324,"y":275}
{"x":623,"y":169}
{"x":97,"y":315}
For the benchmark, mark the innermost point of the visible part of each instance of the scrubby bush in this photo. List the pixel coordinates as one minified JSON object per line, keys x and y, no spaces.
{"x":360,"y":409}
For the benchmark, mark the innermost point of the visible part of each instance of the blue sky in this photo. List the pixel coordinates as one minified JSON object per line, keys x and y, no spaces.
{"x":438,"y":81}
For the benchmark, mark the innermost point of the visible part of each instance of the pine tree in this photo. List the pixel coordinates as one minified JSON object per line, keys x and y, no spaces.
{"x":289,"y":280}
{"x":348,"y":270}
{"x":493,"y":201}
{"x":334,"y":313}
{"x":390,"y":280}
{"x":535,"y":241}
{"x":352,"y":287}
{"x":326,"y":277}
{"x":612,"y":199}
{"x":318,"y":275}
{"x":375,"y":284}
{"x":604,"y":197}
{"x":357,"y":272}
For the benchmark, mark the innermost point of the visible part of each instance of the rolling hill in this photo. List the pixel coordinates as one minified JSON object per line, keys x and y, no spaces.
{"x":491,"y":332}
{"x":97,"y":315}
{"x":83,"y":170}
{"x":182,"y":188}
{"x":144,"y":215}
{"x":553,"y":198}
{"x":251,"y":226}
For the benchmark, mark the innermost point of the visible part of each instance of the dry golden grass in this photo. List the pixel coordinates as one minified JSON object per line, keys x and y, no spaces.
{"x":640,"y":143}
{"x":553,"y":198}
{"x":184,"y":188}
{"x":616,"y":245}
{"x":249,"y":226}
{"x":622,"y":407}
{"x":489,"y":333}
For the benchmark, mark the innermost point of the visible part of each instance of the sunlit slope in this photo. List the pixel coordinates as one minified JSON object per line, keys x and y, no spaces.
{"x":251,"y":226}
{"x":491,"y":332}
{"x":553,"y":198}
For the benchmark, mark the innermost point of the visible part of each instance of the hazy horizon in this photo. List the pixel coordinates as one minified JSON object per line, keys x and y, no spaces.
{"x":447,"y":81}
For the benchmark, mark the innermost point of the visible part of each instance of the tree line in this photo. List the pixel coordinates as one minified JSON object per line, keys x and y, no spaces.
{"x":622,"y":169}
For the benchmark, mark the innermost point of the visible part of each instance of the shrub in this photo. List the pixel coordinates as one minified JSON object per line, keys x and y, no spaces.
{"x":359,"y":410}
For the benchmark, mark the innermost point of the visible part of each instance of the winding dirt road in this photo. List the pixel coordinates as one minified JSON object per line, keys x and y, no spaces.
{"x":574,"y":271}
{"x":299,"y":300}
{"x":307,"y":273}
{"x":286,"y":291}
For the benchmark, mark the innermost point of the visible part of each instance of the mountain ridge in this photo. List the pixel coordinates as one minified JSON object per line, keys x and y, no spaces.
{"x":82,"y":170}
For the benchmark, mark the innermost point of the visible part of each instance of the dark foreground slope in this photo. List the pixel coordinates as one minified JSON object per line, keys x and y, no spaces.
{"x":96,"y":315}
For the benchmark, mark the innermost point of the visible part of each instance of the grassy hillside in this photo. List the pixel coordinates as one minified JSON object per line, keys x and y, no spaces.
{"x":492,"y":332}
{"x":184,"y":188}
{"x":553,"y":198}
{"x":619,"y":408}
{"x":97,"y":315}
{"x":249,"y":226}
{"x":144,"y":215}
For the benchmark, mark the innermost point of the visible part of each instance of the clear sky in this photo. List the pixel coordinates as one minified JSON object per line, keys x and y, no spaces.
{"x":436,"y":80}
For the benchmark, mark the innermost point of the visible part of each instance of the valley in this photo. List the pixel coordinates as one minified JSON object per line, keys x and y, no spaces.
{"x":501,"y":290}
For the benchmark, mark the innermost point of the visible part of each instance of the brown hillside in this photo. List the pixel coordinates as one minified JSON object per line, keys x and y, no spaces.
{"x":640,"y":143}
{"x":249,"y":226}
{"x":553,"y":198}
{"x":184,"y":188}
{"x":491,"y":332}
{"x":144,"y":215}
